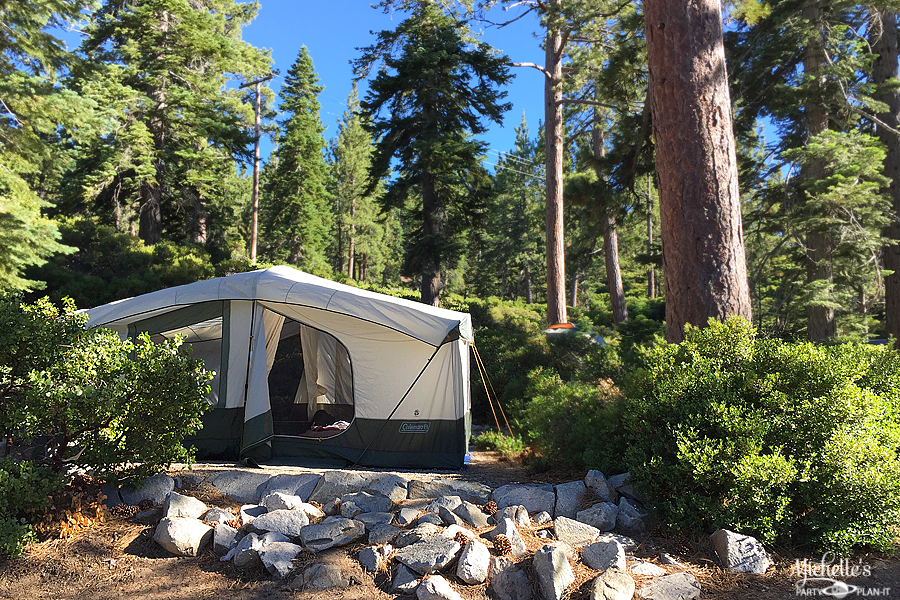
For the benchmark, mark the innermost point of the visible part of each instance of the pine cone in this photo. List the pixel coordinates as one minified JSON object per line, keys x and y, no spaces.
{"x":145,"y":504}
{"x":123,"y":510}
{"x":490,"y":508}
{"x":233,"y":523}
{"x":462,"y":538}
{"x":502,"y":544}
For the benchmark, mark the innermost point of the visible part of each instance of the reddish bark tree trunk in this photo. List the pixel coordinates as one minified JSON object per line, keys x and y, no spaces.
{"x":433,"y":225}
{"x":885,"y":68}
{"x":610,"y":242}
{"x":703,"y":248}
{"x":553,"y":147}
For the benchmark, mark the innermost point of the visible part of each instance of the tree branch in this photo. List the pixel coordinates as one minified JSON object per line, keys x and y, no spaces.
{"x":587,"y":102}
{"x":533,"y":66}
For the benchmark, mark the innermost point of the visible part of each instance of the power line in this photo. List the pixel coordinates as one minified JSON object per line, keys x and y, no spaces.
{"x":532,"y":175}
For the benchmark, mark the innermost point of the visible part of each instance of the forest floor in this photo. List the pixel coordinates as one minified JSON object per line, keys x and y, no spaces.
{"x":118,"y":560}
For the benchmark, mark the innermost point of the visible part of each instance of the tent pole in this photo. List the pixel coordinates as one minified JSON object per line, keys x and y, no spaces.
{"x":409,"y":389}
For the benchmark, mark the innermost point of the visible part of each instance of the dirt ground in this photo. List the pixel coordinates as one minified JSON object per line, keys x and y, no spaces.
{"x":118,"y":560}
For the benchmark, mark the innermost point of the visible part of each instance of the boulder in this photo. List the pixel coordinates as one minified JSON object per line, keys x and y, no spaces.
{"x":246,"y":553}
{"x":511,"y":584}
{"x":389,"y":485}
{"x":177,"y":505}
{"x":333,"y":531}
{"x":375,"y":518}
{"x":498,"y":564}
{"x":148,"y":517}
{"x":417,"y":534}
{"x":430,"y":518}
{"x":473,"y":563}
{"x":601,"y":556}
{"x":287,"y":522}
{"x":450,"y":518}
{"x":428,"y":556}
{"x":553,"y":571}
{"x":740,"y":553}
{"x":239,"y":485}
{"x":405,"y":581}
{"x":283,"y":501}
{"x":374,"y":558}
{"x":508,"y":528}
{"x":406,"y":516}
{"x":155,"y":489}
{"x":641,"y":567}
{"x":225,"y":538}
{"x":574,"y":533}
{"x":216,"y":515}
{"x":382,"y":533}
{"x":322,"y":577}
{"x":543,"y":517}
{"x":188,"y":482}
{"x":332,"y":507}
{"x":627,"y":543}
{"x":367,"y":503}
{"x":301,"y":485}
{"x":601,"y":515}
{"x":449,"y":502}
{"x":472,"y":515}
{"x":518,"y":514}
{"x":569,"y":497}
{"x":680,"y":586}
{"x":277,"y":556}
{"x":620,"y":482}
{"x":534,"y":497}
{"x":335,"y":484}
{"x":182,"y":536}
{"x":249,"y":512}
{"x":613,"y":584}
{"x":598,"y":484}
{"x":629,"y":519}
{"x":436,"y":587}
{"x":467,"y":490}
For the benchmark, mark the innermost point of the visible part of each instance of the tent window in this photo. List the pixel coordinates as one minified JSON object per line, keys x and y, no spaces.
{"x":310,"y":382}
{"x":204,"y":338}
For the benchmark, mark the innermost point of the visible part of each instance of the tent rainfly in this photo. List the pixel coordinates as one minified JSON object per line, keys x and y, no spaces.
{"x":307,"y":367}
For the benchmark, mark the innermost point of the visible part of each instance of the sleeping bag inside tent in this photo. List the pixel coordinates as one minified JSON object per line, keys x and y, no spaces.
{"x":306,"y":367}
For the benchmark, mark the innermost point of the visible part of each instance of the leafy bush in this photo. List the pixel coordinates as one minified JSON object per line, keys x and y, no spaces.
{"x":508,"y":446}
{"x":119,"y":409}
{"x":25,"y":490}
{"x":574,"y":422}
{"x":796,"y":443}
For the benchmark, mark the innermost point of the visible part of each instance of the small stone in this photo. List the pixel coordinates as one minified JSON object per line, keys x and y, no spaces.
{"x":287,"y":522}
{"x":629,"y":518}
{"x":248,"y":512}
{"x":473,"y":563}
{"x":367,"y":502}
{"x":534,"y":497}
{"x":573,"y":532}
{"x":225,"y":538}
{"x":627,"y":543}
{"x":335,"y":484}
{"x":613,"y":584}
{"x":449,"y":517}
{"x":333,"y":531}
{"x":370,"y":559}
{"x":177,"y":505}
{"x":517,"y":513}
{"x":601,"y":556}
{"x":448,"y":502}
{"x":240,"y":485}
{"x":467,"y":490}
{"x":542,"y":518}
{"x":216,"y":515}
{"x":332,"y":508}
{"x":647,"y":568}
{"x":511,"y":584}
{"x":405,"y":580}
{"x":428,"y":556}
{"x":436,"y":587}
{"x":389,"y":485}
{"x":430,"y":518}
{"x":382,"y":533}
{"x":601,"y":515}
{"x":668,"y":559}
{"x":680,"y":586}
{"x":282,"y":501}
{"x":323,"y":577}
{"x":499,"y":564}
{"x":452,"y":531}
{"x":155,"y":489}
{"x":553,"y":571}
{"x":740,"y":553}
{"x":276,"y":557}
{"x":508,"y":528}
{"x":407,"y":516}
{"x":375,"y":518}
{"x":301,"y":485}
{"x":600,"y":486}
{"x":417,"y":534}
{"x":568,"y":498}
{"x":472,"y":515}
{"x":246,"y":553}
{"x":182,"y":536}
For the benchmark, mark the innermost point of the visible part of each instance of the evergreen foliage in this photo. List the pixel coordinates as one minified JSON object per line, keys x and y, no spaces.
{"x":294,"y":215}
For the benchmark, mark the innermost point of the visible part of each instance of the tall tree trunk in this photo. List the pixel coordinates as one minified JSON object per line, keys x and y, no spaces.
{"x":651,"y":272}
{"x":200,"y":222}
{"x":340,"y":243}
{"x":553,"y":147}
{"x":150,"y":222}
{"x":150,"y":225}
{"x":819,"y":245}
{"x":529,"y":295}
{"x":885,"y":68}
{"x":573,"y":293}
{"x":433,"y":228}
{"x":610,"y":239}
{"x":703,"y":247}
{"x":352,"y":239}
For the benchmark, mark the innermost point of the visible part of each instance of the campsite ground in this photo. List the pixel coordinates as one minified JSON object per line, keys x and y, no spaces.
{"x":118,"y":560}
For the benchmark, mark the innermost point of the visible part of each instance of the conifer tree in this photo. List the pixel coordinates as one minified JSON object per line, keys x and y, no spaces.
{"x":294,"y":212}
{"x":429,"y":97}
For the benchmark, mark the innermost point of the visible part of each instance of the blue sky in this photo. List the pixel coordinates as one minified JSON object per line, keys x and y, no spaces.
{"x":333,"y":29}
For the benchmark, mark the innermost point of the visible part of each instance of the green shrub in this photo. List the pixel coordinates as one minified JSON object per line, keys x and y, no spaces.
{"x":119,"y":409}
{"x":795,"y":443}
{"x":573,"y":422}
{"x":25,"y":490}
{"x":508,"y":446}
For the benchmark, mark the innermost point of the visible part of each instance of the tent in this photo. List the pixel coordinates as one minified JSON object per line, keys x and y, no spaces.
{"x":306,"y":367}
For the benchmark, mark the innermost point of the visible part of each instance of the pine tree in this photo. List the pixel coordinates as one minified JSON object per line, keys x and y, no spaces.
{"x":294,"y":212}
{"x":35,"y":114}
{"x":158,"y":70}
{"x":428,"y":99}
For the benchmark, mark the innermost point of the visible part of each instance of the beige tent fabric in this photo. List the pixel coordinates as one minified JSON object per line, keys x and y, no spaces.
{"x":272,"y":324}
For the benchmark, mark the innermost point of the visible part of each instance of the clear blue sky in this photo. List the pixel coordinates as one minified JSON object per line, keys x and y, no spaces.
{"x":332,"y":30}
